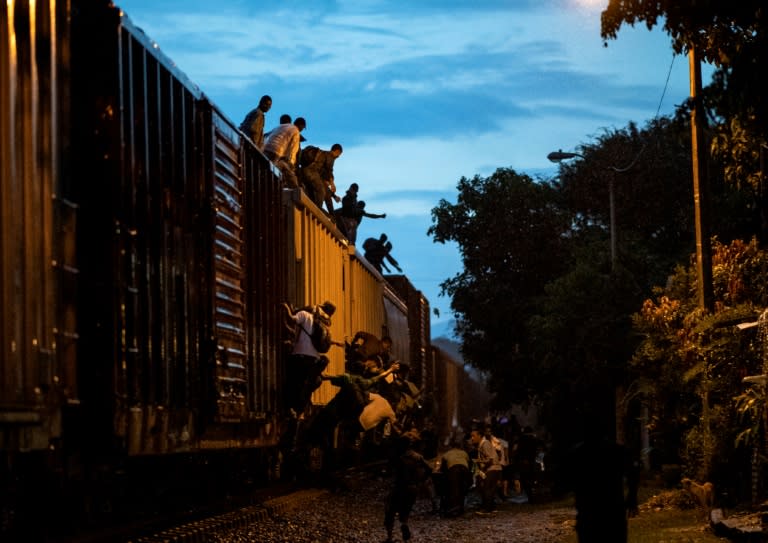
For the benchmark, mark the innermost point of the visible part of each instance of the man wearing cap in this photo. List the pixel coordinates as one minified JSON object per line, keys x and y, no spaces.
{"x":282,"y":148}
{"x":305,"y":364}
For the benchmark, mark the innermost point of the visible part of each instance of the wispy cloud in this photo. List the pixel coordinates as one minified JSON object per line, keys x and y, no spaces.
{"x":420,"y":93}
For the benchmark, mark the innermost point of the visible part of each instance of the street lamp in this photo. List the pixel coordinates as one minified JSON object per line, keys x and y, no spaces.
{"x":558,"y":156}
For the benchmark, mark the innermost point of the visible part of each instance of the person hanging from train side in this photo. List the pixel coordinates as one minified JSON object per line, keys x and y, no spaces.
{"x":355,"y":403}
{"x":307,"y":360}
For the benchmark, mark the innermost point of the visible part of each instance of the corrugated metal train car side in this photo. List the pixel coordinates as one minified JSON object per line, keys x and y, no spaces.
{"x":143,"y":240}
{"x":267,"y":256}
{"x":323,"y":266}
{"x":38,"y":271}
{"x":458,"y":395}
{"x":419,"y":328}
{"x":183,"y":228}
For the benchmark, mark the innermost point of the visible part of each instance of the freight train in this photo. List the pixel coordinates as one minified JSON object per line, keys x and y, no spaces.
{"x":146,"y":246}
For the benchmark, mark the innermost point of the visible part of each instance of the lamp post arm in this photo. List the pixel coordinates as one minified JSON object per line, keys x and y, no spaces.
{"x":560,"y":155}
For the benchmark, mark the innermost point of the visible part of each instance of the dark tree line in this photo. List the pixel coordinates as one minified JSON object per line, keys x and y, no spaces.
{"x":541,"y":305}
{"x":552,"y":314}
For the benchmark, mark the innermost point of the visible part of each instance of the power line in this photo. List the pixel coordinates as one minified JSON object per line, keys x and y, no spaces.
{"x":658,"y":110}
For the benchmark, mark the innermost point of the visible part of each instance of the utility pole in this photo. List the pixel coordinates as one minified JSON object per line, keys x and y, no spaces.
{"x":700,"y":187}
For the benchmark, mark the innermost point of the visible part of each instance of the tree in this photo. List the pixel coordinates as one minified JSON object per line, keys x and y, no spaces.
{"x":731,"y":36}
{"x":511,"y":233}
{"x":540,"y":300}
{"x":650,"y":169}
{"x":697,"y":360}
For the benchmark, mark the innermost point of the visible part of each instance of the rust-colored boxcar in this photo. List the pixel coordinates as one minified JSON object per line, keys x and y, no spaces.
{"x":38,"y":222}
{"x":146,"y":247}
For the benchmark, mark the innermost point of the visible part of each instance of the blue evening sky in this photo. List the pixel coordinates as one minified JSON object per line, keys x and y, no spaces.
{"x":423,"y":92}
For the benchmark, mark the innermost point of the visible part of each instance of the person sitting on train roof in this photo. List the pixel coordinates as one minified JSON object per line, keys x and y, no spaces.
{"x":253,"y":124}
{"x":316,"y":174}
{"x":282,"y":148}
{"x":377,"y":250}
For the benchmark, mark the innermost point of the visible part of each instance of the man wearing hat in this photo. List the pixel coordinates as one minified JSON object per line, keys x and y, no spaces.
{"x":306,"y":363}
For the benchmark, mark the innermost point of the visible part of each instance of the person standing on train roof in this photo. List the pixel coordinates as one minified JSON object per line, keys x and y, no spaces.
{"x":357,"y":217}
{"x":282,"y":148}
{"x":253,"y":124}
{"x":351,"y":213}
{"x":306,"y":363}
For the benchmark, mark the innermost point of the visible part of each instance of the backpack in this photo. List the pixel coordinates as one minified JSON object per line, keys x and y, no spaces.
{"x":370,"y":244}
{"x":308,"y":156}
{"x":321,"y":334}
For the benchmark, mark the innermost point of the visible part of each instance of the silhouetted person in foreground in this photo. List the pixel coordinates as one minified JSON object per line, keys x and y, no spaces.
{"x":597,"y":470}
{"x":378,"y":250}
{"x":410,"y":470}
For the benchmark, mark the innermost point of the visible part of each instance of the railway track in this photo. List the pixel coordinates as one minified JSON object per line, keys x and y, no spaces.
{"x":202,"y":529}
{"x":207,"y":520}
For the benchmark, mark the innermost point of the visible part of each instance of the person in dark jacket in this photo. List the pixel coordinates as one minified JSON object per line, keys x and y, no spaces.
{"x":253,"y":124}
{"x":351,"y":214}
{"x":316,"y":175}
{"x":378,"y":250}
{"x":411,"y":470}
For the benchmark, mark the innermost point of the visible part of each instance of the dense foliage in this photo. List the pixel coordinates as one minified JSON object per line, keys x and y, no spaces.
{"x":511,"y":231}
{"x":560,"y":298}
{"x":733,"y":36}
{"x":551,"y":317}
{"x":693,"y":363}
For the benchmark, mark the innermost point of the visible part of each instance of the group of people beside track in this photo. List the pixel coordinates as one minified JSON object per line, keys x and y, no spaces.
{"x":311,"y":169}
{"x":501,"y":463}
{"x":600,"y":472}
